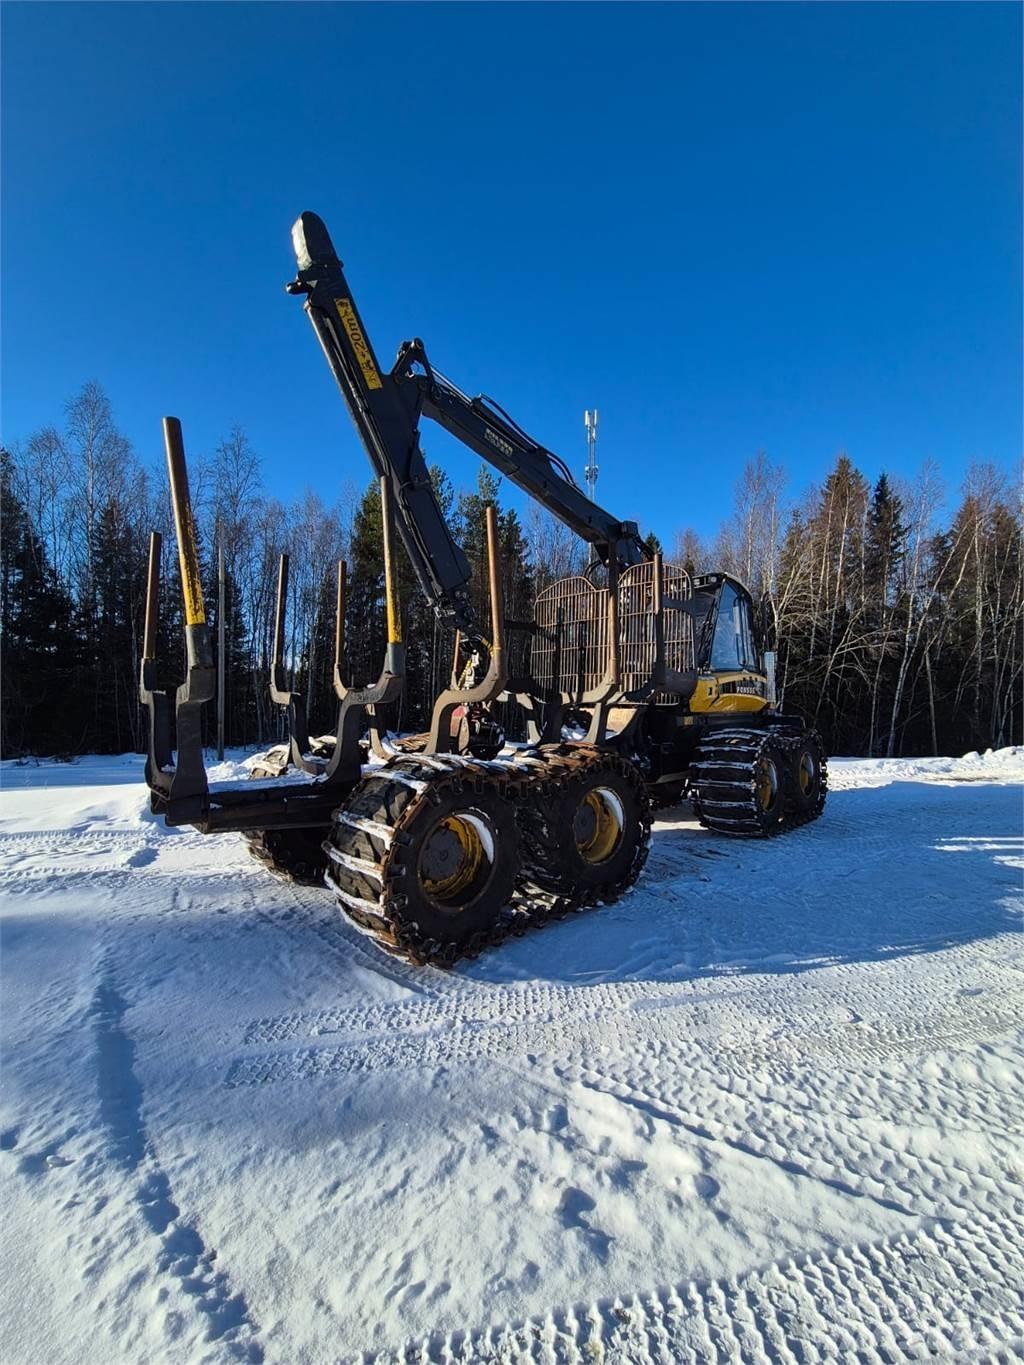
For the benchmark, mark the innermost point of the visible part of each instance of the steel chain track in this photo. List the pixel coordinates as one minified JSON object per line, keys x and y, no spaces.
{"x":726,"y":764}
{"x":291,"y":855}
{"x":372,"y":821}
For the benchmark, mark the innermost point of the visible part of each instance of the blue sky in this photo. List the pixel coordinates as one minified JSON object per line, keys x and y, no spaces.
{"x":784,"y":227}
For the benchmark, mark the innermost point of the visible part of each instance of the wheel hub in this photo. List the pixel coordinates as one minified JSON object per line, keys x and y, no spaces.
{"x":452,"y":858}
{"x":807,"y":772}
{"x":597,"y":827}
{"x":767,"y":784}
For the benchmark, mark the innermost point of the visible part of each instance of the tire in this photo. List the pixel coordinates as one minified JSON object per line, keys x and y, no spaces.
{"x":588,"y":838}
{"x":667,"y":794}
{"x":294,"y":854}
{"x":771,"y":786}
{"x":808,"y":778}
{"x":455,"y":862}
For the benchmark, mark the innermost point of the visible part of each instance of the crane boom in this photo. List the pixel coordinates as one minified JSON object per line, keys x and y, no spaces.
{"x":386,"y":407}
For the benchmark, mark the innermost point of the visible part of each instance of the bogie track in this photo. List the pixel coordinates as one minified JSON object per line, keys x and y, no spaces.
{"x":439,"y":857}
{"x":758,"y":782}
{"x":292,"y":854}
{"x":587,"y":824}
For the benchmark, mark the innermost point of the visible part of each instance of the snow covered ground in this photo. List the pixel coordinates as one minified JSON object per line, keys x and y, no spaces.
{"x":767,"y":1108}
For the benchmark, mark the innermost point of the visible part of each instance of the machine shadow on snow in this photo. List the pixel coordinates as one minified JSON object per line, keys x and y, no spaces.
{"x":873,"y":880}
{"x":885,"y":888}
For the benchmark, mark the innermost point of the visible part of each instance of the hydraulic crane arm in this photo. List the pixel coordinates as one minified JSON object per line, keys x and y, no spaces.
{"x":386,"y":408}
{"x":488,"y":430}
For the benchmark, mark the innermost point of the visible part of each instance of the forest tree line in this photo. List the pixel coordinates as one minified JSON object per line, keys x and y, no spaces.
{"x":898,"y":632}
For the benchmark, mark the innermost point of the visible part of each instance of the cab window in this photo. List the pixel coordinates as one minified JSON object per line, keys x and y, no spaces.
{"x":733,"y":646}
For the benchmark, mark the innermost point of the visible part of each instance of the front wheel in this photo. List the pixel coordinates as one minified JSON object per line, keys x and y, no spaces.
{"x":770,"y":774}
{"x":754,"y":783}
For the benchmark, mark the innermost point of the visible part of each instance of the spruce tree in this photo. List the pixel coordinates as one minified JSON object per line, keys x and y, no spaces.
{"x":37,"y":642}
{"x":886,"y":543}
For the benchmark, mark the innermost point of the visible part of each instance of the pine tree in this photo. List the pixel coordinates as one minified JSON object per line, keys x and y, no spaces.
{"x":884,"y":552}
{"x":365,"y":618}
{"x":117,"y":630}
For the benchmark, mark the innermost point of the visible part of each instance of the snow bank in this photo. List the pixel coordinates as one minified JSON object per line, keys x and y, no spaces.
{"x":994,"y":765}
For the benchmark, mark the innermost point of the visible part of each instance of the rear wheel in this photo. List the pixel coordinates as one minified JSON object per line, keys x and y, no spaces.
{"x":457,"y":864}
{"x":296,"y":854}
{"x":588,"y":835}
{"x":808,"y":778}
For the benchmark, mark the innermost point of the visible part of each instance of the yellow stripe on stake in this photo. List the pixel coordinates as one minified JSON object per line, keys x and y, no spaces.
{"x":191,"y":583}
{"x":184,"y":525}
{"x":391,"y":601}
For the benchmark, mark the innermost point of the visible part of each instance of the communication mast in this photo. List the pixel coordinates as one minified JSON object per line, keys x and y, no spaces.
{"x":590,"y":473}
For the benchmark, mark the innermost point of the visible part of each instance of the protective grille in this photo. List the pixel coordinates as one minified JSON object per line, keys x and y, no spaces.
{"x":569,"y":652}
{"x":570,"y":649}
{"x":636,"y":626}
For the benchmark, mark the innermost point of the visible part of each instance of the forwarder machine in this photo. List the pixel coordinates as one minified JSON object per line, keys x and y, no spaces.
{"x":639,"y":683}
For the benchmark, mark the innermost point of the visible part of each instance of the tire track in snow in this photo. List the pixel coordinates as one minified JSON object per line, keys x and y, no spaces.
{"x":794,"y":1137}
{"x":61,"y":838}
{"x":467,"y":1029}
{"x":941,"y":1290}
{"x":183,"y":1253}
{"x":313,"y":911}
{"x":457,"y":1004}
{"x":461,"y":1009}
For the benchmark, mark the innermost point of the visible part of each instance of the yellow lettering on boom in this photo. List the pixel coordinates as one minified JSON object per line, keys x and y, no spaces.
{"x":360,"y":345}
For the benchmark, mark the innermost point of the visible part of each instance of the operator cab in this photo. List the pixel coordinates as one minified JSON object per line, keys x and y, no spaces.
{"x":730,"y":665}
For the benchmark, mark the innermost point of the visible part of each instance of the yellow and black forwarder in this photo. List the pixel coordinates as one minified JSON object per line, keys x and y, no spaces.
{"x":640,"y":686}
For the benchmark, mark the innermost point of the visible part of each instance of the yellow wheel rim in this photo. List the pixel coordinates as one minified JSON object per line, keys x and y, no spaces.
{"x":597,"y":828}
{"x":807,"y":772}
{"x":451,"y":858}
{"x":767,"y":784}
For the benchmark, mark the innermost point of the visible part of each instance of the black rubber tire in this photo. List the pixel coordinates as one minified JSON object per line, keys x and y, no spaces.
{"x":806,"y":800}
{"x":555,"y":860}
{"x":295,"y":854}
{"x":480,"y":906}
{"x":665,"y":795}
